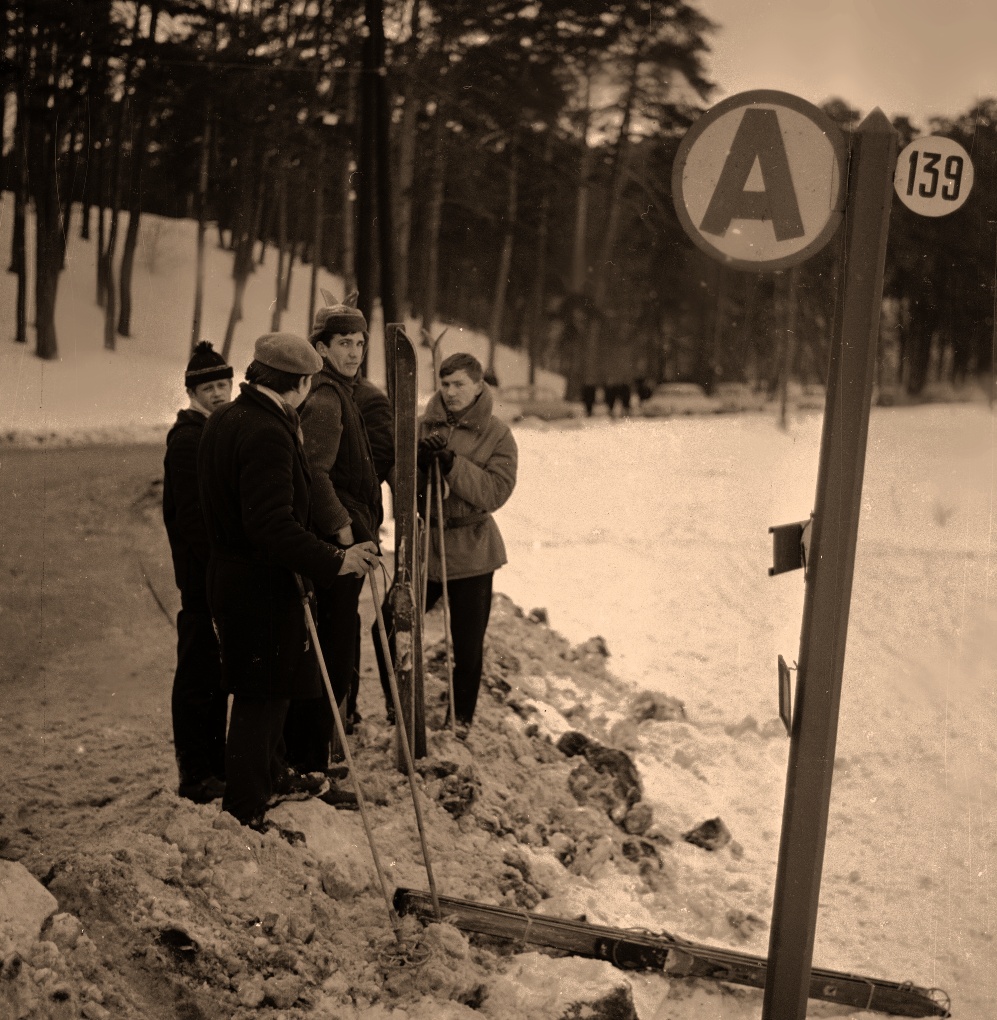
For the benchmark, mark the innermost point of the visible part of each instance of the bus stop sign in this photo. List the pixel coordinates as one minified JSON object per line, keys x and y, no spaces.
{"x":759,"y":180}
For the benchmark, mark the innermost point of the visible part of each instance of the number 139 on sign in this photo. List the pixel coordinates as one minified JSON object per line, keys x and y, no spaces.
{"x":934,"y":176}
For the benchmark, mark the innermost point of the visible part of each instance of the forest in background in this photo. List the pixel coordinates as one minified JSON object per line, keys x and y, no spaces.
{"x":529,"y":147}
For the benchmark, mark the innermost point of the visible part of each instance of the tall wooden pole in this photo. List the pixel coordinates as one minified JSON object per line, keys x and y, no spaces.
{"x":382,"y":146}
{"x":829,"y":572}
{"x":367,"y":228}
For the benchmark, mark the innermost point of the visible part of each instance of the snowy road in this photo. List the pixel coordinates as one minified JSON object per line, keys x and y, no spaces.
{"x":654,"y":535}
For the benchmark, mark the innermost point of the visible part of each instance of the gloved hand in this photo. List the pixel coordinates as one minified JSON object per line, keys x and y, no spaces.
{"x":428,"y":449}
{"x":446,"y":459}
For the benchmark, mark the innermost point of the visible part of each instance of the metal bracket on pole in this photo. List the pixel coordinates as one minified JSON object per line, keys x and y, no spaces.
{"x":790,"y":546}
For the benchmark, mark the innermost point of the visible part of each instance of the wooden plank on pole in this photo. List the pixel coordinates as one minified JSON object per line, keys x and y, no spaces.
{"x":830,"y":569}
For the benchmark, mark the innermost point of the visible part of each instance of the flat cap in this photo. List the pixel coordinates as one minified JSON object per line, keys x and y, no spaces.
{"x":287,"y":352}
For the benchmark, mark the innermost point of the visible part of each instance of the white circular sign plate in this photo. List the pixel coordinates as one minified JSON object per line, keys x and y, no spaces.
{"x":759,"y":180}
{"x":934,"y":176}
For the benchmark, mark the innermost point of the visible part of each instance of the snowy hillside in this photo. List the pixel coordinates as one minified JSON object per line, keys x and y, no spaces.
{"x":139,"y":387}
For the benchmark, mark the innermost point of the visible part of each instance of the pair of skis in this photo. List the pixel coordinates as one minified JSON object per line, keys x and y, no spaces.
{"x":677,"y":957}
{"x":410,"y":569}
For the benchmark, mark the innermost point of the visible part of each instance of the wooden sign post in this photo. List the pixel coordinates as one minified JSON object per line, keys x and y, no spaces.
{"x":760,"y":183}
{"x":830,"y":568}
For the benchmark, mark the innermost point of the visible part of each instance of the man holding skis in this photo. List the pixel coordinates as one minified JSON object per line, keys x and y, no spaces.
{"x":477,"y":458}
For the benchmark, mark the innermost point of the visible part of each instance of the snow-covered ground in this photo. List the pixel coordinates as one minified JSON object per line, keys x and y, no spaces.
{"x":654,"y":534}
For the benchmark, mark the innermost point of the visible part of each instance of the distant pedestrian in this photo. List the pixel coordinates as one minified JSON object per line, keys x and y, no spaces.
{"x":199,"y":705}
{"x":256,"y":500}
{"x":346,"y":508}
{"x":589,"y":395}
{"x":478,"y":457}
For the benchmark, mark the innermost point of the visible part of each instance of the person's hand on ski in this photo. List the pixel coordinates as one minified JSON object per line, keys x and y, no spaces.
{"x":360,"y":559}
{"x":429,"y":449}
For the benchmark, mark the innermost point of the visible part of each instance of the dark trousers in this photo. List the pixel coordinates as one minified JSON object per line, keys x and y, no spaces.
{"x":199,"y":705}
{"x":308,"y":732}
{"x":253,"y":755}
{"x":470,"y":607}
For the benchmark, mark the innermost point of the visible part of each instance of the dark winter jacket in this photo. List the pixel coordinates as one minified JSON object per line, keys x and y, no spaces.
{"x":380,"y":424}
{"x":255,"y":496}
{"x":346,"y":489}
{"x":182,"y":510}
{"x":481,"y":480}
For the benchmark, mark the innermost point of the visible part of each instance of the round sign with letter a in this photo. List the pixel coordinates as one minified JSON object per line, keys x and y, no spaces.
{"x":934,"y":176}
{"x":759,"y":180}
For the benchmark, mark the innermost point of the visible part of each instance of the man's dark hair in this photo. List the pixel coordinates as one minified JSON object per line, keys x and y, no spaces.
{"x":273,"y":378}
{"x":461,"y":360}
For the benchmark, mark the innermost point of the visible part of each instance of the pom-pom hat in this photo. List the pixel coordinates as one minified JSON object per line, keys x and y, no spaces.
{"x":287,"y":352}
{"x":335,"y":318}
{"x":205,"y":365}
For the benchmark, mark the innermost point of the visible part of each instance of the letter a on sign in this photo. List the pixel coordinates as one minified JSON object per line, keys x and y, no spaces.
{"x":758,"y":181}
{"x":758,"y":140}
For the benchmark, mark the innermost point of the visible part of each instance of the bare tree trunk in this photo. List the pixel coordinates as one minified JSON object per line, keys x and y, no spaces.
{"x":278,"y":304}
{"x":292,"y":254}
{"x":576,"y":367}
{"x":607,"y":244}
{"x":263,"y":232}
{"x":143,"y":108}
{"x":244,"y":230}
{"x":70,"y":178}
{"x":535,"y":316}
{"x":202,"y":207}
{"x":406,"y":164}
{"x":88,"y":180}
{"x":102,"y":202}
{"x":579,"y":259}
{"x":110,"y":294}
{"x":235,"y":315}
{"x":318,"y":237}
{"x":366,"y":256}
{"x":789,"y":344}
{"x":433,"y":220}
{"x":505,"y":260}
{"x":348,"y":255}
{"x":18,"y":248}
{"x":48,"y":247}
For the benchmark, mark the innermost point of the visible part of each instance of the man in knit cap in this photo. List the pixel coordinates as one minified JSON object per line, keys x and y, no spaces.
{"x":198,"y":702}
{"x":257,"y":505}
{"x":346,"y":509}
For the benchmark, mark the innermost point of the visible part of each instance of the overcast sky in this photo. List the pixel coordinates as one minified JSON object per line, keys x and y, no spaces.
{"x":914,"y":57}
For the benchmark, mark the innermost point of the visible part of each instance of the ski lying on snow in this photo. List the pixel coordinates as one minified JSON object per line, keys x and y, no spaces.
{"x":677,"y":957}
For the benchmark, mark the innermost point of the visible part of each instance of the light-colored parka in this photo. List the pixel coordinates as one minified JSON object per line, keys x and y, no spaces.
{"x":481,"y":480}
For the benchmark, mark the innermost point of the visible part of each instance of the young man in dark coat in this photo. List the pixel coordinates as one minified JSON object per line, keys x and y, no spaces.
{"x":346,"y":509}
{"x":256,"y":500}
{"x":478,"y":460}
{"x":199,"y":704}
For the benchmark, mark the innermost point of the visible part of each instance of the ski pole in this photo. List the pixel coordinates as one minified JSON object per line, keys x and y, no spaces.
{"x":402,"y":730}
{"x":426,"y":541}
{"x":361,"y":802}
{"x":446,"y":595}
